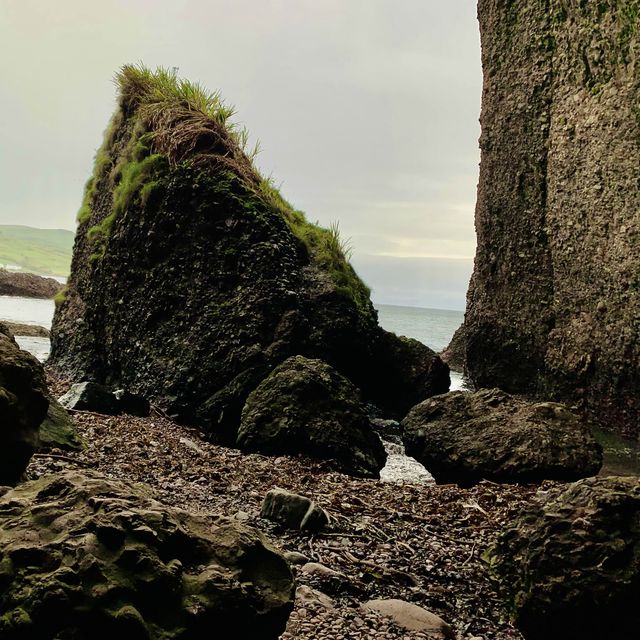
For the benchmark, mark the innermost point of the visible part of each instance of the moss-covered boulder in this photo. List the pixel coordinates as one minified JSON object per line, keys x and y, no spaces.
{"x":57,"y":429}
{"x":306,"y":407}
{"x":82,"y":556}
{"x":569,"y":567}
{"x":466,"y":437}
{"x":23,"y":406}
{"x":192,"y":277}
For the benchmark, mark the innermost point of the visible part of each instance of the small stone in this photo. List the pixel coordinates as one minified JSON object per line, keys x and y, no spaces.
{"x":314,"y":597}
{"x":293,"y":557}
{"x":293,"y":511}
{"x":411,"y":617}
{"x":321,"y":571}
{"x":190,"y":444}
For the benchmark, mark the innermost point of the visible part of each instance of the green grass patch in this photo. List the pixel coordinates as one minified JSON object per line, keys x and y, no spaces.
{"x":170,"y":121}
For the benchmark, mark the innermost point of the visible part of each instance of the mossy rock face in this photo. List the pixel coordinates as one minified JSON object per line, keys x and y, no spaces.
{"x":466,"y":437}
{"x":83,"y":556}
{"x":553,"y":303}
{"x":192,"y":277}
{"x":23,"y":405}
{"x":57,"y":430}
{"x":305,"y":406}
{"x":569,"y":567}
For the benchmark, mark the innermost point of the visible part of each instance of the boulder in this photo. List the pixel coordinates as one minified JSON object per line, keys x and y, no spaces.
{"x":411,"y":617}
{"x":132,"y":404}
{"x":57,"y":430}
{"x":23,"y":406}
{"x":568,"y":566}
{"x":407,"y":373}
{"x":192,"y":278}
{"x":293,"y":511}
{"x":306,"y":407}
{"x":90,"y":396}
{"x":83,"y":556}
{"x":464,"y":437}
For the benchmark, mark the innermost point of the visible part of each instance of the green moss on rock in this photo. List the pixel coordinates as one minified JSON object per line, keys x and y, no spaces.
{"x":84,"y":556}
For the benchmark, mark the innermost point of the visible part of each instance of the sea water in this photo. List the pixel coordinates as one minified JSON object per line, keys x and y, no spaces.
{"x":29,"y":311}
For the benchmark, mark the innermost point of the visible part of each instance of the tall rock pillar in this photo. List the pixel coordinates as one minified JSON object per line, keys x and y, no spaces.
{"x":554,"y":302}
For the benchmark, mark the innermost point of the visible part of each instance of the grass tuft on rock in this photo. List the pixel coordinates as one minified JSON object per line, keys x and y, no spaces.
{"x":164,"y":121}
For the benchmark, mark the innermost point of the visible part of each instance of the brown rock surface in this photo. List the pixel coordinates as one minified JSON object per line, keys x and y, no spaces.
{"x":27,"y":285}
{"x":29,"y":330}
{"x":553,"y":304}
{"x":411,"y":617}
{"x":84,"y":556}
{"x":568,"y":567}
{"x":464,"y":437}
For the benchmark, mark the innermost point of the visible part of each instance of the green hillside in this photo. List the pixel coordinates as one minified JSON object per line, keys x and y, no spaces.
{"x":43,"y":251}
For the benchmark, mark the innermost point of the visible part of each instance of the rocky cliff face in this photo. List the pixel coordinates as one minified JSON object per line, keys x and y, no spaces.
{"x":192,"y":278}
{"x":554,"y":301}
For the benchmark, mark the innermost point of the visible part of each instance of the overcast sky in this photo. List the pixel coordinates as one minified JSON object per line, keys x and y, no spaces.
{"x":366,"y":111}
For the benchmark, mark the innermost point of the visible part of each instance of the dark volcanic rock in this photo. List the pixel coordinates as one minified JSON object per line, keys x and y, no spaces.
{"x":90,"y":396}
{"x":27,"y":285}
{"x":553,"y":303}
{"x":455,"y":354}
{"x":192,"y":278}
{"x":464,"y":437}
{"x":23,"y":405}
{"x":83,"y":556}
{"x":568,"y":567}
{"x":293,"y":511}
{"x":409,"y":372}
{"x":307,"y":407}
{"x":131,"y":403}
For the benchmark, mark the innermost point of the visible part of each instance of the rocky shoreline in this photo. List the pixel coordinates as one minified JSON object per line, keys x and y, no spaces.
{"x":28,"y":285}
{"x":419,"y":543}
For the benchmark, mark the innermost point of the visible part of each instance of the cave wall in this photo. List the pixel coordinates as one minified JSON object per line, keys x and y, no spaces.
{"x":553,"y":306}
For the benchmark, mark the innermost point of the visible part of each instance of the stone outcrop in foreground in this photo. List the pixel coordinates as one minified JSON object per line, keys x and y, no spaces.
{"x":27,"y":285}
{"x":569,"y":568}
{"x":23,"y":407}
{"x":83,"y":556}
{"x":465,"y":437}
{"x":306,"y":407}
{"x":554,"y":302}
{"x":192,"y":278}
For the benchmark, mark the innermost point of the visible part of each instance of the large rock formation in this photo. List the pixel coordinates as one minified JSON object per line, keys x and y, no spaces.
{"x":192,"y":278}
{"x":83,"y":556}
{"x":305,"y":406}
{"x":554,"y":302}
{"x":27,"y":285}
{"x":466,"y":437}
{"x":23,"y":406}
{"x":569,"y":566}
